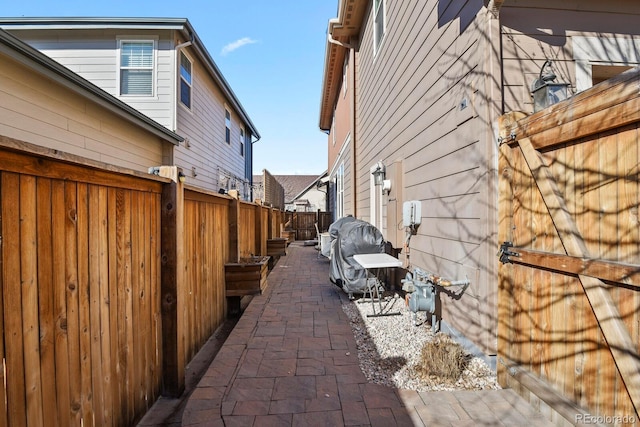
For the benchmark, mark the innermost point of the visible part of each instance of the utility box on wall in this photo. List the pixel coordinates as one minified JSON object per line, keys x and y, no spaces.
{"x":395,"y":231}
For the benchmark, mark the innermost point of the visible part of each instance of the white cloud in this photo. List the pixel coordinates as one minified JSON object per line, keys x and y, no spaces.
{"x":237,"y":45}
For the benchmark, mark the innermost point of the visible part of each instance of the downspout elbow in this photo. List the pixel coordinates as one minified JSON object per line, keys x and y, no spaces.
{"x":331,"y":40}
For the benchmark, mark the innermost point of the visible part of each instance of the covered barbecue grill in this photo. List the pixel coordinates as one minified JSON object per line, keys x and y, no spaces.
{"x":350,"y":236}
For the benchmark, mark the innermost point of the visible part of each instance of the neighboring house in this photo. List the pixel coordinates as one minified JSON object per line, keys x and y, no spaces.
{"x":160,"y":67}
{"x":419,"y":86}
{"x":45,"y":104}
{"x":302,"y":193}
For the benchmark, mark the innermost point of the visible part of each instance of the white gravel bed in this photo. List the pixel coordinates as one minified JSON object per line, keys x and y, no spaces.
{"x":389,"y":349}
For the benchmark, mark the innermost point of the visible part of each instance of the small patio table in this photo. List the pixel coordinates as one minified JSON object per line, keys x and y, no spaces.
{"x":372,"y":262}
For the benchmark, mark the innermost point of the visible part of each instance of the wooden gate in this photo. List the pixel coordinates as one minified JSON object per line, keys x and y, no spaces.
{"x":569,"y":300}
{"x":304,"y":223}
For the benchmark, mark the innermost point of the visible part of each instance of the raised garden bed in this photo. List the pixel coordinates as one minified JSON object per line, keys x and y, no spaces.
{"x":277,"y":247}
{"x":248,"y":276}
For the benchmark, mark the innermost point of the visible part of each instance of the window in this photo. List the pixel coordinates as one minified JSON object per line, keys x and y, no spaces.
{"x":345,"y":81}
{"x":185,"y":80}
{"x":242,"y":142}
{"x":227,"y":123}
{"x":378,"y":23}
{"x":136,"y":67}
{"x":340,"y":192}
{"x":599,"y":58}
{"x":333,"y":128}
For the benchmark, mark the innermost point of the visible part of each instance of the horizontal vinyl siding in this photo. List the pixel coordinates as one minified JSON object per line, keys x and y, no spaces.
{"x":408,"y":109}
{"x":38,"y":111}
{"x":205,"y":126}
{"x":94,"y":56}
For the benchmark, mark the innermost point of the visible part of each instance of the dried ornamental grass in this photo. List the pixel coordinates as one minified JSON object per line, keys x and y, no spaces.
{"x":442,"y":358}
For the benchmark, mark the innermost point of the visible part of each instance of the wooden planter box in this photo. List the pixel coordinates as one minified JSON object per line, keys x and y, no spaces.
{"x":277,"y":247}
{"x":290,"y":236}
{"x":246,"y":277}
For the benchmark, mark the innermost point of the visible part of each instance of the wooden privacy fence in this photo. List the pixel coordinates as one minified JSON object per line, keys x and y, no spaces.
{"x":569,"y":291}
{"x":110,"y":283}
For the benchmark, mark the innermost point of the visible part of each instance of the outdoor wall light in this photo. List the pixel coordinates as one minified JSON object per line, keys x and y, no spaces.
{"x":378,"y":174}
{"x":545,"y":90}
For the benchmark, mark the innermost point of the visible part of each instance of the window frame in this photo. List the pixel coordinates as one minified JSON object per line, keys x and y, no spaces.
{"x":377,"y":14}
{"x":340,"y":191}
{"x":345,"y":75}
{"x":242,"y":141}
{"x":333,"y":128}
{"x":123,"y":40}
{"x":182,"y":79}
{"x":227,"y":126}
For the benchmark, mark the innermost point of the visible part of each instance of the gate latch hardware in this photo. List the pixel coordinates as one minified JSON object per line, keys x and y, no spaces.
{"x":504,"y":253}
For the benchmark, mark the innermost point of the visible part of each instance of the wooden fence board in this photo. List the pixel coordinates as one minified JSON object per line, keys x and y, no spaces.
{"x":73,"y":301}
{"x":116,"y":302}
{"x":3,"y":390}
{"x":12,"y":299}
{"x":60,"y":313}
{"x":84,"y":311}
{"x":29,"y":285}
{"x":45,"y":290}
{"x":94,"y":276}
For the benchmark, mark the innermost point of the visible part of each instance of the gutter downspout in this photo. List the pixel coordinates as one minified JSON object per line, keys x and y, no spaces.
{"x":354,"y":139}
{"x":251,"y":168}
{"x":177,"y":49}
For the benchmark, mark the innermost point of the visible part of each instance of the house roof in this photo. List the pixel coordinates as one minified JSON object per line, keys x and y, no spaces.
{"x":339,"y":33}
{"x":293,"y":185}
{"x":178,"y":24}
{"x":34,"y":59}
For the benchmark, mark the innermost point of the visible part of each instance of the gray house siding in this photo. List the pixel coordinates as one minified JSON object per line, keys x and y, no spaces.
{"x":207,"y":150}
{"x":427,"y":106}
{"x":409,"y":109}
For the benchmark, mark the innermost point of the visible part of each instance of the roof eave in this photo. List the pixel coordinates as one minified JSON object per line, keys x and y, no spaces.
{"x":342,"y":29}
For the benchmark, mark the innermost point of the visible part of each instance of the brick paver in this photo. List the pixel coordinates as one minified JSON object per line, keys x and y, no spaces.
{"x":292,"y":361}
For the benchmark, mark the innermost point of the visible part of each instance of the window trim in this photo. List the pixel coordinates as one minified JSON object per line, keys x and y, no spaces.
{"x":242,"y":140}
{"x":181,"y":79}
{"x":340,"y":191}
{"x":154,"y":67}
{"x":345,"y":75}
{"x":227,"y":126}
{"x":333,"y":128}
{"x":377,"y":38}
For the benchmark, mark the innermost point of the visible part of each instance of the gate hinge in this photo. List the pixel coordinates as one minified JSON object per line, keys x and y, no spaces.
{"x":504,"y":253}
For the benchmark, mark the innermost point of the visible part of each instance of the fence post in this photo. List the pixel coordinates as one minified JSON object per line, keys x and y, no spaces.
{"x":172,"y":268}
{"x":234,"y":222}
{"x":258,"y":230}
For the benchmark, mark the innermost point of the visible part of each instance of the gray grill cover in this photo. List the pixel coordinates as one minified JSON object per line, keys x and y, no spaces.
{"x":351,"y":236}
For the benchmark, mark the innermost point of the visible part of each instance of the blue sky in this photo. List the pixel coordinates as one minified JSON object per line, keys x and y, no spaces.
{"x":271,"y":53}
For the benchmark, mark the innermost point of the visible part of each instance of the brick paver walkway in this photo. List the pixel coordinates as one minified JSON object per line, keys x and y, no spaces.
{"x":292,"y":361}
